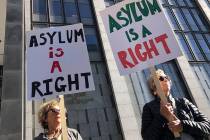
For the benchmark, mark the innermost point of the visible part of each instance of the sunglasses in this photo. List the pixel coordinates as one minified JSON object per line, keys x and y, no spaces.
{"x":162,"y":78}
{"x":54,"y":110}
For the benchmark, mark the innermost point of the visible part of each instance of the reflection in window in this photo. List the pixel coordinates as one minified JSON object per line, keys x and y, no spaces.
{"x":180,"y":19}
{"x":172,"y":2}
{"x":171,"y":18}
{"x":194,"y":47}
{"x":91,"y":39}
{"x":71,"y":11}
{"x":198,"y":19}
{"x":181,"y":3}
{"x":85,"y":11}
{"x":190,"y":3}
{"x":40,"y":10}
{"x":184,"y":46}
{"x":203,"y":44}
{"x":208,"y":38}
{"x":190,"y":19}
{"x":55,"y":11}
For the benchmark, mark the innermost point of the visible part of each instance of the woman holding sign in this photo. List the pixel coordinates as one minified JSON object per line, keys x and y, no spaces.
{"x":188,"y":121}
{"x":50,"y":119}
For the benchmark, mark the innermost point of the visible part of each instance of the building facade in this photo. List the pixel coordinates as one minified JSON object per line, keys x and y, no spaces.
{"x":113,"y":111}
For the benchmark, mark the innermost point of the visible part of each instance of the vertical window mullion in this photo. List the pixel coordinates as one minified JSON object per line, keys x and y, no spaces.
{"x":77,"y":7}
{"x":55,"y":11}
{"x":187,"y":45}
{"x":203,"y":43}
{"x":177,"y":22}
{"x":48,"y":13}
{"x":199,"y":47}
{"x":196,"y":46}
{"x":183,"y":16}
{"x":206,"y":40}
{"x":193,"y":16}
{"x":63,"y":11}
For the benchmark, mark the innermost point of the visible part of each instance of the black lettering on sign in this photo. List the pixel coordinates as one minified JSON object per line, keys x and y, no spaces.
{"x":61,"y":37}
{"x":60,"y":84}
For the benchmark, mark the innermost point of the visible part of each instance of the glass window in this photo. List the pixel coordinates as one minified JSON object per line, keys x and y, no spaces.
{"x":55,"y":11}
{"x":203,"y":45}
{"x":172,"y":2}
{"x":71,"y":11}
{"x":170,"y":18}
{"x":194,"y":47}
{"x":181,"y":3}
{"x":85,"y":11}
{"x":198,"y":19}
{"x":184,"y":46}
{"x":40,"y":10}
{"x":208,"y":38}
{"x":91,"y":39}
{"x":190,"y":19}
{"x":190,"y":3}
{"x":180,"y":19}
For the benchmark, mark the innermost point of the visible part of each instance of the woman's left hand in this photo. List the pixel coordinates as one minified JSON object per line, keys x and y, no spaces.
{"x":175,"y":126}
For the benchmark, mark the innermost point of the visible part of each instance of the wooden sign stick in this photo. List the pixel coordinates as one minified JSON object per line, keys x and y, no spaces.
{"x":160,"y":93}
{"x":63,"y":118}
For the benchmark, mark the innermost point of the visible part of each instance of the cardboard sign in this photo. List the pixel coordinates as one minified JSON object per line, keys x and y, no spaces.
{"x":139,"y":35}
{"x":57,"y":62}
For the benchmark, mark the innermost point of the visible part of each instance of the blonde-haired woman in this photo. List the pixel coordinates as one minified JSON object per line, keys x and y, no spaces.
{"x":188,"y":120}
{"x":50,"y":119}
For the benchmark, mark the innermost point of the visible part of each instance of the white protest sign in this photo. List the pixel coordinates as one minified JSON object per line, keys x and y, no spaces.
{"x":57,"y":62}
{"x":139,"y":35}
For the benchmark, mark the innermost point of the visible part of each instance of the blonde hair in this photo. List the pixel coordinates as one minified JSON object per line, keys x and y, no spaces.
{"x":44,"y":108}
{"x":151,"y":82}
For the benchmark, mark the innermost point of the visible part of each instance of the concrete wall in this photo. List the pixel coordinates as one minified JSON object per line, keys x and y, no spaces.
{"x":11,"y":105}
{"x":123,"y":92}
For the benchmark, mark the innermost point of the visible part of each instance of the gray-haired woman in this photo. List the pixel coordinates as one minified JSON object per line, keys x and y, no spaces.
{"x":50,"y":119}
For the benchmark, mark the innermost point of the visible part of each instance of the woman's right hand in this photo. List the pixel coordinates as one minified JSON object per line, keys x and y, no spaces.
{"x":166,"y":110}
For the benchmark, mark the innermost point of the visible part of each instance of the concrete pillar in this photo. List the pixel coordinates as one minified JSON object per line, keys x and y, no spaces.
{"x":12,"y":91}
{"x":204,"y":5}
{"x":126,"y":104}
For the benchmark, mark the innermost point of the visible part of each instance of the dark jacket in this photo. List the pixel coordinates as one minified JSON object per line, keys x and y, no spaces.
{"x":154,"y":126}
{"x":72,"y":135}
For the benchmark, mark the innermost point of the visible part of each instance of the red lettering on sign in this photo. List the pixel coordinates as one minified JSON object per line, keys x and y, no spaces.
{"x":143,"y":52}
{"x":58,"y":53}
{"x":56,"y":65}
{"x":122,"y":55}
{"x":162,"y":39}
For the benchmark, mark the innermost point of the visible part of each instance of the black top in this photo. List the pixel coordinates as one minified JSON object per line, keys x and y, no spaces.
{"x":154,"y":126}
